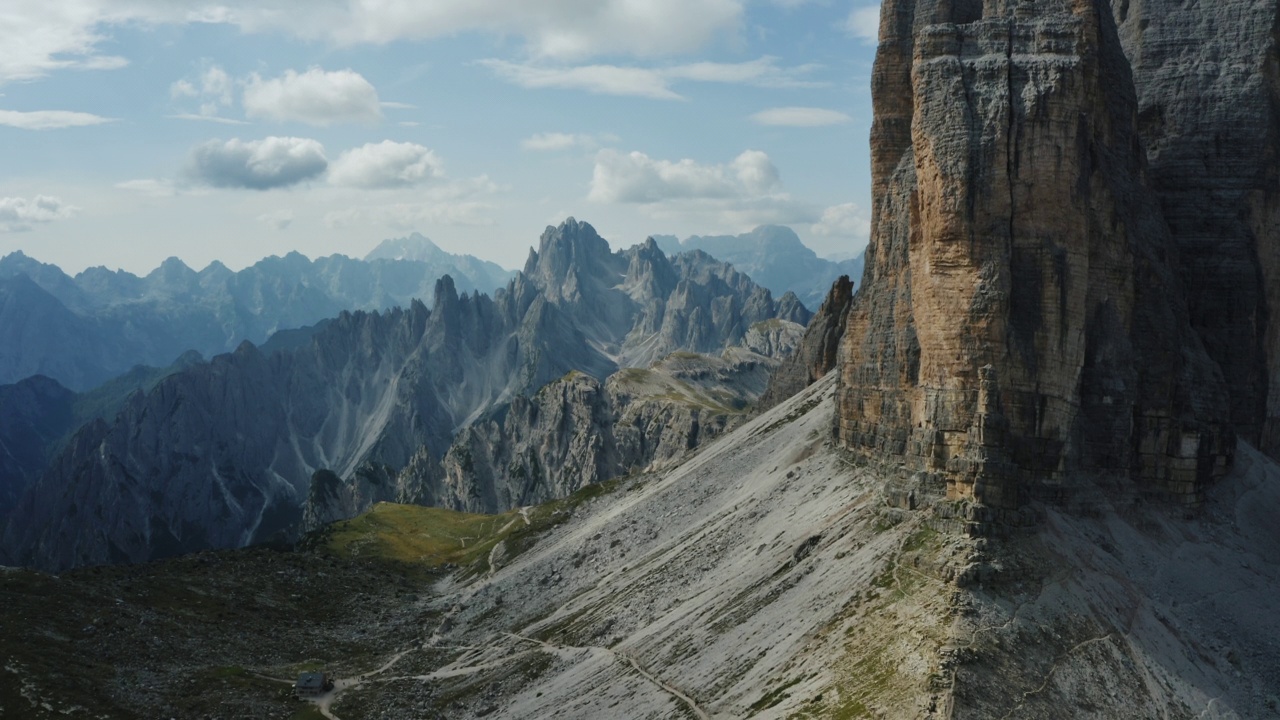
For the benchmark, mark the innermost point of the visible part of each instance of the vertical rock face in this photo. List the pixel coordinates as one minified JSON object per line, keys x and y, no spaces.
{"x":818,"y":350}
{"x":1019,"y":315}
{"x":1208,"y":87}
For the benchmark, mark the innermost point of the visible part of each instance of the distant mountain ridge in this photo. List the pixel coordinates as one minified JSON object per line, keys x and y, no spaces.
{"x":773,"y":256}
{"x":221,"y":454}
{"x":86,"y":329}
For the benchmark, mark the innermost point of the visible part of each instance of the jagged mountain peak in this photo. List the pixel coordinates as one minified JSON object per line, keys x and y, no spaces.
{"x":571,"y":245}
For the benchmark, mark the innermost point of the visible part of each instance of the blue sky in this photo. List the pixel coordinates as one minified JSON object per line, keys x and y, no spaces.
{"x":135,"y":130}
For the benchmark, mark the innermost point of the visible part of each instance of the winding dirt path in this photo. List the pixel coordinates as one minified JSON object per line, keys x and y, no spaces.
{"x":672,"y":690}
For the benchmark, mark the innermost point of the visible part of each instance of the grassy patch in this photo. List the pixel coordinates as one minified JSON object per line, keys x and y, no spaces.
{"x":925,"y":537}
{"x":418,"y":535}
{"x":309,"y":712}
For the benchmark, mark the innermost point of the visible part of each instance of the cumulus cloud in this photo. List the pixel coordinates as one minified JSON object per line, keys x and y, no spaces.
{"x":315,"y":97}
{"x":272,"y":162}
{"x":800,"y":117}
{"x":637,"y":178}
{"x":49,"y":119}
{"x":19,"y":214}
{"x":864,"y":23}
{"x":846,"y":220}
{"x":385,"y":165}
{"x":213,"y":90}
{"x":653,"y":83}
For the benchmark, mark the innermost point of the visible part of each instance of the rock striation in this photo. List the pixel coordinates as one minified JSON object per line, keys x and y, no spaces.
{"x":1021,"y":316}
{"x":1208,"y":90}
{"x":572,"y":432}
{"x":222,"y":454}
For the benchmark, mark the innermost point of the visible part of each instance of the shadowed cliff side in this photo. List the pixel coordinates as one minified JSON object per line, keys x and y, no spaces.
{"x":1020,"y":318}
{"x":818,"y":350}
{"x":1208,"y":87}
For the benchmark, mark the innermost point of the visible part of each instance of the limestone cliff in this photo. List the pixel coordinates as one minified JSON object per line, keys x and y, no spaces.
{"x":1208,"y":88}
{"x":1019,"y":316}
{"x":817,"y":352}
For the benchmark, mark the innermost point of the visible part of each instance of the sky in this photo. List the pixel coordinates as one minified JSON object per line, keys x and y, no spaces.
{"x":136,"y":130}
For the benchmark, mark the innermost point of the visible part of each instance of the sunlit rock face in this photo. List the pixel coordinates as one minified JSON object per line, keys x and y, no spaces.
{"x":1021,"y":316}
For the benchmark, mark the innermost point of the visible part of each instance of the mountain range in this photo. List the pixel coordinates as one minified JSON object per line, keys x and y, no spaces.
{"x":221,"y":454}
{"x":84,"y":330}
{"x":774,"y":257}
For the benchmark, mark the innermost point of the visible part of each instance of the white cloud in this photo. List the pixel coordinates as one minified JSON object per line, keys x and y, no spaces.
{"x":741,"y":194}
{"x":756,"y":172}
{"x":599,"y":79}
{"x":315,"y":97}
{"x":19,"y":214}
{"x":213,"y":89}
{"x":278,"y":220}
{"x":50,"y":119}
{"x":68,"y":33}
{"x":843,"y":221}
{"x":207,"y":118}
{"x":550,"y":28}
{"x":42,"y":37}
{"x":762,"y":72}
{"x":259,"y":164}
{"x":155,"y":187}
{"x":555,"y":141}
{"x":654,"y":83}
{"x":457,"y":202}
{"x":800,"y":117}
{"x":864,"y":23}
{"x":385,"y":165}
{"x":636,"y":178}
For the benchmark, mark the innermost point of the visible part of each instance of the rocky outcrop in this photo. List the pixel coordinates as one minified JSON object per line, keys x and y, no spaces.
{"x":817,"y":353}
{"x":1208,"y":88}
{"x":639,"y":305}
{"x":222,"y":454}
{"x":1020,"y":316}
{"x":572,"y":432}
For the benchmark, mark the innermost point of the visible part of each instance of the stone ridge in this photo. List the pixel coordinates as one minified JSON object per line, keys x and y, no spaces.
{"x":1019,"y":318}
